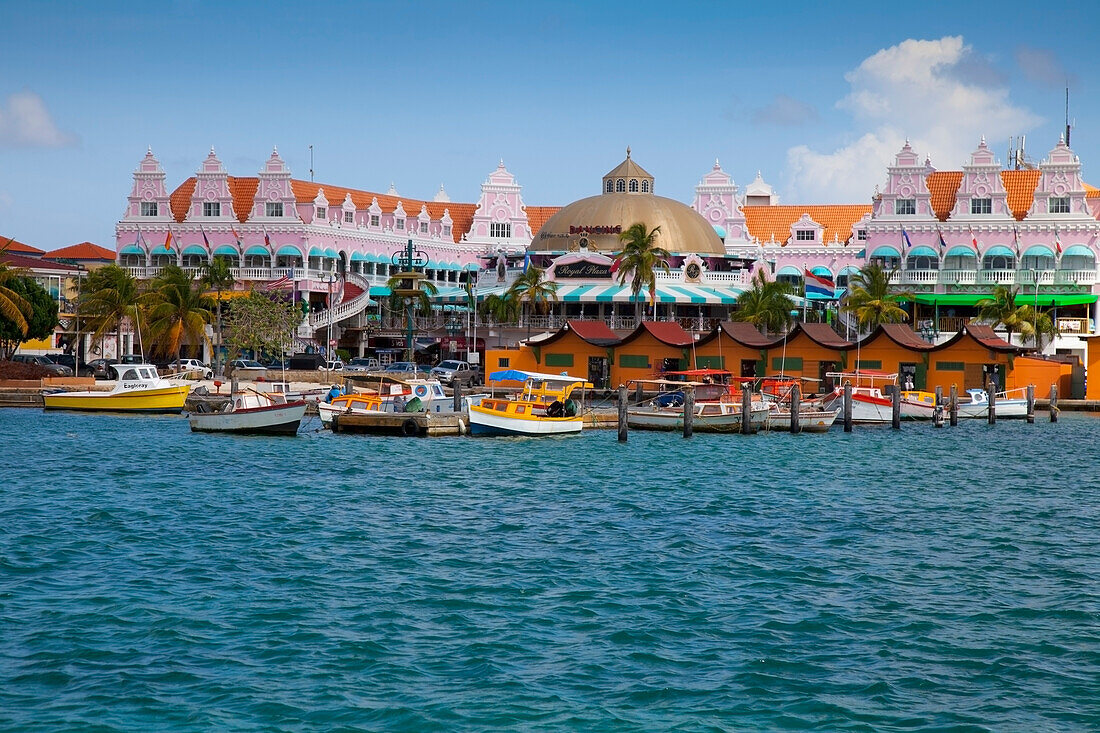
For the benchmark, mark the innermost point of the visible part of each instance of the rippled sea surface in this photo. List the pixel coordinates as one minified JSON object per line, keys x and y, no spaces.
{"x":152,"y":579}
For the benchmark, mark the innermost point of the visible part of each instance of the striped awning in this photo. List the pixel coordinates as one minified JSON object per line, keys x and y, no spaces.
{"x":681,"y":293}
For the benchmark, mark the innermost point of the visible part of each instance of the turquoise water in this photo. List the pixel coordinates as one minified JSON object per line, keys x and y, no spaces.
{"x":151,"y":579}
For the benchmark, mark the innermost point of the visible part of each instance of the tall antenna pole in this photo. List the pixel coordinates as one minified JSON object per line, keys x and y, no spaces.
{"x":1067,"y":113}
{"x":311,"y":164}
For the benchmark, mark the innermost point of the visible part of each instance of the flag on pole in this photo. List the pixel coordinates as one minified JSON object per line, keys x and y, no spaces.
{"x":943,"y":244}
{"x":204,"y":239}
{"x":1057,"y":241}
{"x":267,"y":237}
{"x":280,"y":283}
{"x":236,"y":235}
{"x":821,"y":285}
{"x":974,"y":239}
{"x":615,"y":264}
{"x":905,"y":238}
{"x":1016,"y":239}
{"x":168,"y":242}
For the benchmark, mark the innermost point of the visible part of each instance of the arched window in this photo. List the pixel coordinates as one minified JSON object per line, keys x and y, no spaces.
{"x":922,"y":258}
{"x":1078,"y":257}
{"x":960,"y":258}
{"x":620,"y":186}
{"x":999,"y":258}
{"x":610,"y":186}
{"x":1037,"y":258}
{"x":645,"y":186}
{"x":634,"y":185}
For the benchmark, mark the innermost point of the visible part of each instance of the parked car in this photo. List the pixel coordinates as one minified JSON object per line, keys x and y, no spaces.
{"x":69,"y":360}
{"x":193,"y":365}
{"x":362,"y":364}
{"x":450,"y":371}
{"x":332,"y":366}
{"x":409,"y":367}
{"x":248,"y":368}
{"x":44,"y":361}
{"x":101,"y":368}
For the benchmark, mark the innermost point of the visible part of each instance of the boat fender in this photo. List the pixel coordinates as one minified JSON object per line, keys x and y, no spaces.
{"x":555,"y":409}
{"x":461,"y":427}
{"x":409,"y":428}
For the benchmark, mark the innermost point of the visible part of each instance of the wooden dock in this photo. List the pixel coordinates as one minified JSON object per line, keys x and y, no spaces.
{"x":408,"y":424}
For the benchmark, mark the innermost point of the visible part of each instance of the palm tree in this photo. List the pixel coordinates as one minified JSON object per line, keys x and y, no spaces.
{"x":532,"y":292}
{"x":218,"y":275}
{"x":13,"y":306}
{"x":1036,"y":324}
{"x":110,"y":296}
{"x":766,"y":305}
{"x":871,"y":298}
{"x":1001,"y":308}
{"x":639,"y":260}
{"x":502,"y":310}
{"x":177,"y":309}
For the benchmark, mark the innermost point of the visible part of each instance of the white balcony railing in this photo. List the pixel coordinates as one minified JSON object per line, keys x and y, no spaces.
{"x":996,"y":277}
{"x":1075,"y":277}
{"x":920,"y":277}
{"x":958,"y":277}
{"x":1032,"y":277}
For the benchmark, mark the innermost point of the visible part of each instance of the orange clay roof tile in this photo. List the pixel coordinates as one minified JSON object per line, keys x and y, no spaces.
{"x":1091,"y":192}
{"x":765,"y":222}
{"x":82,"y":251}
{"x":539,"y":215}
{"x":1020,"y":186}
{"x":14,"y":247}
{"x":943,"y":185}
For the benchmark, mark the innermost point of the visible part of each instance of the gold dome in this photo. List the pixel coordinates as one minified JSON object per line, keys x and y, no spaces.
{"x":683,"y":230}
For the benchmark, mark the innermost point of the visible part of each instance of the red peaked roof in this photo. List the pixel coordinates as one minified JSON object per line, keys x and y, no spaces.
{"x":746,"y":334}
{"x":987,"y":338}
{"x":824,"y":335}
{"x":668,"y":333}
{"x":901,"y":335}
{"x":594,"y":332}
{"x":82,"y":251}
{"x":34,"y":263}
{"x":19,"y":248}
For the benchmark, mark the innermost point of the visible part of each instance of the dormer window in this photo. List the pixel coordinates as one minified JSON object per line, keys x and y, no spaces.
{"x":374,"y":220}
{"x":981,"y":206}
{"x":322,"y":212}
{"x":620,"y":186}
{"x":423,"y":227}
{"x":861,"y":235}
{"x":447,"y":231}
{"x":645,"y":186}
{"x":349,"y":217}
{"x":804,"y":235}
{"x":610,"y":186}
{"x":148,"y":208}
{"x":634,"y":185}
{"x":502,"y":229}
{"x":905,"y":207}
{"x":1055,"y":205}
{"x":274,"y":208}
{"x":400,"y":224}
{"x":211,"y":208}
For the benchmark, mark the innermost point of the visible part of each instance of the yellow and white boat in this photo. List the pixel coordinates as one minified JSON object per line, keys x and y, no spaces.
{"x":139,"y":389}
{"x":545,"y":407}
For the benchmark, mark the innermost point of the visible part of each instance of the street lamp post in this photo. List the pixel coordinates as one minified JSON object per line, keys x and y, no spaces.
{"x":331,"y":278}
{"x":1035,"y":312}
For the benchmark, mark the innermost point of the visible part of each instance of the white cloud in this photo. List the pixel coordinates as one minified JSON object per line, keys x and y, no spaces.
{"x":26,"y":123}
{"x":915,"y":90}
{"x":1041,"y":66}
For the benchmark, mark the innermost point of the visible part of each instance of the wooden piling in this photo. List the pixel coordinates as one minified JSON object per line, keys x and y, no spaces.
{"x":746,"y":409}
{"x":953,"y":407}
{"x":689,"y":410}
{"x":1031,"y":404}
{"x":990,"y":391}
{"x":457,"y":406}
{"x":895,"y":407}
{"x":796,"y":405}
{"x":638,"y":393}
{"x":1054,"y":403}
{"x":848,"y":407}
{"x":937,"y":411}
{"x":622,"y":413}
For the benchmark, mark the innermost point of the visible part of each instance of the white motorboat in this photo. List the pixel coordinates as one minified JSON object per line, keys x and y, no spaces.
{"x":1005,"y":406}
{"x":265,"y":413}
{"x":869,"y":403}
{"x":809,"y":420}
{"x":544,"y":407}
{"x":707,"y":417}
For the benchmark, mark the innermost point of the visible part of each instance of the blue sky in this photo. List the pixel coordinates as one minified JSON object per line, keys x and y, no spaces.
{"x":817,"y":96}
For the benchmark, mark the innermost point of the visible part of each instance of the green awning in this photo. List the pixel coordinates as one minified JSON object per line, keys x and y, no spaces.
{"x":1046,"y":300}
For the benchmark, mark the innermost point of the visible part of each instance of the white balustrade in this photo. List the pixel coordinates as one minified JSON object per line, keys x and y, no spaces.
{"x":997,"y":277}
{"x":1075,"y":277}
{"x":920,"y":277}
{"x":1030,"y":277}
{"x":958,"y":277}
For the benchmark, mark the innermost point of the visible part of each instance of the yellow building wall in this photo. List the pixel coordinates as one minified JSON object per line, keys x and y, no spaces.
{"x":643,"y":358}
{"x":725,"y":353}
{"x":961,"y":365}
{"x":804,"y":357}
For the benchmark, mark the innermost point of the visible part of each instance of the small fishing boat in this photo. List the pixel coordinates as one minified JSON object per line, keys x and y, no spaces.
{"x":139,"y":389}
{"x":545,"y":406}
{"x":809,"y":420}
{"x":716,"y":409}
{"x":252,"y":412}
{"x":1005,"y":406}
{"x":411,"y":395}
{"x":870,"y":404}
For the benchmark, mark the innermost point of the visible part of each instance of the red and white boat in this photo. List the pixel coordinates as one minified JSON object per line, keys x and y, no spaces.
{"x":251,"y":412}
{"x":869,"y":403}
